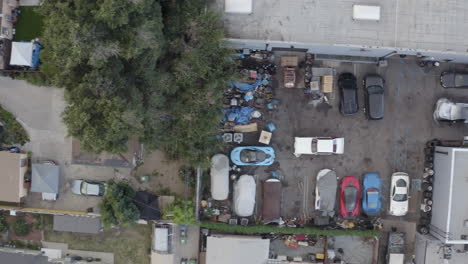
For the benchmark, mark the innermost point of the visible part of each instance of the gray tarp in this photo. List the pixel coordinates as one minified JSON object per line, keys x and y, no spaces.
{"x":326,"y":190}
{"x":45,"y":178}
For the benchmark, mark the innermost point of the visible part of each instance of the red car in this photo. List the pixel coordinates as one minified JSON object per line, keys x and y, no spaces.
{"x":350,"y":197}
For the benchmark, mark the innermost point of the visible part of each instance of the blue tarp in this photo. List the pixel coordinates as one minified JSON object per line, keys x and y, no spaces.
{"x":238,"y":115}
{"x":35,"y":56}
{"x":245,"y":86}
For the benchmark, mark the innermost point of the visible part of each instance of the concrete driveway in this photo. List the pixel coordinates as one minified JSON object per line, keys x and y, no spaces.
{"x":39,"y":110}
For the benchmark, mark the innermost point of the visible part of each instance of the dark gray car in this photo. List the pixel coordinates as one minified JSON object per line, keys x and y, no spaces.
{"x":348,"y":91}
{"x":375,"y":99}
{"x":454,"y":80}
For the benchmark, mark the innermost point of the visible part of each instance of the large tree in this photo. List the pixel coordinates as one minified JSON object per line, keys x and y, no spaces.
{"x":105,"y":53}
{"x":200,"y":70}
{"x":117,"y":206}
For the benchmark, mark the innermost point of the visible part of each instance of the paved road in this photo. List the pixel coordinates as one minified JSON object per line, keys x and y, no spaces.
{"x":39,"y":109}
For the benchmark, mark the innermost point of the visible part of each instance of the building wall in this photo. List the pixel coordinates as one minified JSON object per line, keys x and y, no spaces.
{"x":347,"y":50}
{"x":443,"y":158}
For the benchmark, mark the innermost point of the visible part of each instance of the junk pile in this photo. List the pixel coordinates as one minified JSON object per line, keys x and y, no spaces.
{"x":247,"y":101}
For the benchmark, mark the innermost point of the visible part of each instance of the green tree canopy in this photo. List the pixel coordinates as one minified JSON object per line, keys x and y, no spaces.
{"x":117,"y":206}
{"x":181,"y":212}
{"x":105,"y":54}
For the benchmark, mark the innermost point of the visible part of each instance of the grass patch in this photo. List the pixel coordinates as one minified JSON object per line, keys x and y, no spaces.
{"x":13,"y":132}
{"x":264,"y":229}
{"x":130,"y":245}
{"x":29,"y":24}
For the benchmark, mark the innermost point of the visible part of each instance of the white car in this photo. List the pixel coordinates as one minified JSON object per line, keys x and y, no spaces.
{"x":318,"y":146}
{"x":92,"y":188}
{"x":449,"y":111}
{"x":399,"y":194}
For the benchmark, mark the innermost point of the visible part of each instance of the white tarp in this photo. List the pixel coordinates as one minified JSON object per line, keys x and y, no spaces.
{"x":366,"y":12}
{"x":238,"y":6}
{"x":244,"y":195}
{"x":21,"y":53}
{"x":219,"y":177}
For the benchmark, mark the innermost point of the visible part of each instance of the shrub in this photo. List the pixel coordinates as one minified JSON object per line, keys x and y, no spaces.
{"x":21,"y":227}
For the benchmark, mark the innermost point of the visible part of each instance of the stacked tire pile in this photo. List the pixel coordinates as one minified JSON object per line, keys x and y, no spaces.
{"x":427,"y":187}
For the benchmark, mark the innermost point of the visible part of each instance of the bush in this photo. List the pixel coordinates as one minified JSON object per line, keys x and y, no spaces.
{"x":14,"y":132}
{"x":266,"y":229}
{"x":181,"y":212}
{"x":21,"y":227}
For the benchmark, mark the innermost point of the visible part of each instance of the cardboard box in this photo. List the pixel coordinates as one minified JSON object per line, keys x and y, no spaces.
{"x":327,"y":84}
{"x":292,"y":61}
{"x":265,"y":137}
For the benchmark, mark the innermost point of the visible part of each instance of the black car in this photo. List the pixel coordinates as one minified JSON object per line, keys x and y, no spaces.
{"x":454,"y":80}
{"x":374,"y":93}
{"x":348,"y":91}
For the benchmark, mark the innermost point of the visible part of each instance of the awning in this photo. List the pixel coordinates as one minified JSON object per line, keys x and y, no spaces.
{"x":22,"y":54}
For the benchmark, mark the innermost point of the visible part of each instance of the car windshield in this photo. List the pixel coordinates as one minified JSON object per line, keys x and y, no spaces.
{"x":400,"y":183}
{"x":399,"y":197}
{"x":250,"y":156}
{"x":374,"y":89}
{"x":350,"y":193}
{"x":372,"y":198}
{"x":84,"y":187}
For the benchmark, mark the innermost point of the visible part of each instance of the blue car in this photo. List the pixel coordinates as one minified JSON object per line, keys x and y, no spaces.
{"x":371,"y":202}
{"x":253,"y":156}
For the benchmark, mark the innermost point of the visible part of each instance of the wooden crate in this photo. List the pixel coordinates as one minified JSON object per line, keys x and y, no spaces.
{"x":327,"y":84}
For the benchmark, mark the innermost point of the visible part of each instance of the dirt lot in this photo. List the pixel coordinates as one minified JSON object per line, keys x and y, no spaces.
{"x":393,"y":144}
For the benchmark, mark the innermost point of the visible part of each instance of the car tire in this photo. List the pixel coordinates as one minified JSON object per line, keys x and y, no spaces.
{"x":427,"y":194}
{"x":427,"y":208}
{"x":423,"y":229}
{"x":424,"y":221}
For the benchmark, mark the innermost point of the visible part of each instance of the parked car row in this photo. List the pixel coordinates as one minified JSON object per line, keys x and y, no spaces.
{"x":353,"y":196}
{"x":373,"y":91}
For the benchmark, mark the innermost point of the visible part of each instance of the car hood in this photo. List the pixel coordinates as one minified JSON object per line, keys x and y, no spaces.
{"x":76,"y":186}
{"x":448,"y":79}
{"x":376,"y":106}
{"x":398,"y":208}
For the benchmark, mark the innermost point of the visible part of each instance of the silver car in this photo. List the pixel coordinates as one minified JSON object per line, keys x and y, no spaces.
{"x":92,"y":188}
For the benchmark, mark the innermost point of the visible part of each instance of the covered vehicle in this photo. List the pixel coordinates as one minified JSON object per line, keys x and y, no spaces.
{"x":318,"y":146}
{"x":85,"y":187}
{"x":271,"y":208}
{"x":253,"y":156}
{"x":244,"y":196}
{"x":325,"y":192}
{"x":449,"y":111}
{"x":348,"y":91}
{"x":399,"y":194}
{"x":350,"y":197}
{"x":454,"y":80}
{"x":374,"y":92}
{"x":219,"y":174}
{"x":371,"y":197}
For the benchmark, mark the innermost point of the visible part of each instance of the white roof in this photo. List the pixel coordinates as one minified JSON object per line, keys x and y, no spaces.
{"x":237,"y":249}
{"x":219,"y":177}
{"x":92,"y":188}
{"x":366,"y":12}
{"x":238,"y":6}
{"x":325,"y":145}
{"x":244,"y":195}
{"x":396,"y":258}
{"x":302,"y":145}
{"x":21,"y":54}
{"x":161,"y":242}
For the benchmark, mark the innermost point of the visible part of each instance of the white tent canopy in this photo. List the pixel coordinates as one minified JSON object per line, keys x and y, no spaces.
{"x":22,"y":54}
{"x":238,"y":6}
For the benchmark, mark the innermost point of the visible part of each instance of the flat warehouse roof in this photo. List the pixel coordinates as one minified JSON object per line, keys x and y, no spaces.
{"x":408,"y":24}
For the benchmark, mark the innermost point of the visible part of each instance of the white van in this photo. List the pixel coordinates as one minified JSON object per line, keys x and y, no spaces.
{"x":219,"y":177}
